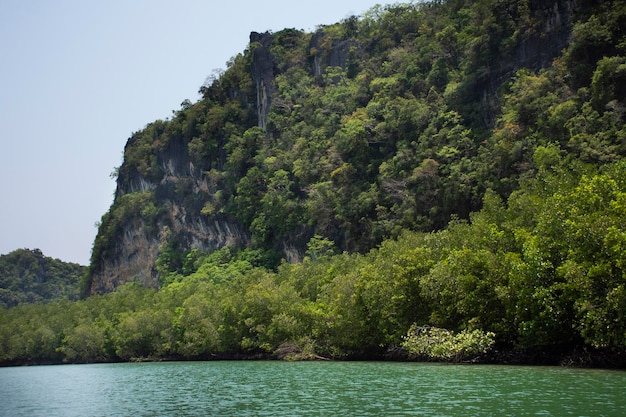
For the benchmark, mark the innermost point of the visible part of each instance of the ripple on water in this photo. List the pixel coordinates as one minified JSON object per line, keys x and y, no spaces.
{"x":308,"y":389}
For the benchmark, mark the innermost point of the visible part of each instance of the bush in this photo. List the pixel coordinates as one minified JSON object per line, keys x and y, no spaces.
{"x":441,"y":344}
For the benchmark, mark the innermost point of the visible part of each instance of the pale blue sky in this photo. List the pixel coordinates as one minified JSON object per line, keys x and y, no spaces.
{"x":78,"y":77}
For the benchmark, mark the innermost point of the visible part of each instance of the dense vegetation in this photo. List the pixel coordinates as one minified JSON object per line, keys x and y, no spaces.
{"x":27,"y":276}
{"x":377,"y":124}
{"x":544,"y":269}
{"x":439,"y":189}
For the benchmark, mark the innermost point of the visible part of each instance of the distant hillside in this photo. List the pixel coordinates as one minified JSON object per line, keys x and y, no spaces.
{"x":27,"y":276}
{"x":399,"y":119}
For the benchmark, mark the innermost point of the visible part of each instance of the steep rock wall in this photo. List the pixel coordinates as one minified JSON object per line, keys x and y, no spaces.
{"x":133,"y":259}
{"x":177,"y":187}
{"x":262,"y":71}
{"x":170,"y":210}
{"x":536,"y":48}
{"x":136,"y":249}
{"x":539,"y":48}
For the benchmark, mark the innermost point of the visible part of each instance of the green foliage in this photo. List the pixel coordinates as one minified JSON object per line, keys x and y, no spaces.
{"x":607,"y":83}
{"x":319,"y":247}
{"x":85,"y":343}
{"x":442,"y":182}
{"x":599,"y":35}
{"x":545,"y":268}
{"x":398,"y":119}
{"x":27,"y":276}
{"x":441,"y":344}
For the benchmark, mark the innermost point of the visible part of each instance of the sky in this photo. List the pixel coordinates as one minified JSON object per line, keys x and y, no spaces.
{"x":78,"y":77}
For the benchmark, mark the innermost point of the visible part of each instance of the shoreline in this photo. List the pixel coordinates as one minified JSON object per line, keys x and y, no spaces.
{"x":577,"y":357}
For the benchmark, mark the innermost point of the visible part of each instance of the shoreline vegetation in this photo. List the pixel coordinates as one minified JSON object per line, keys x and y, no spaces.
{"x":581,"y":357}
{"x":542,"y":273}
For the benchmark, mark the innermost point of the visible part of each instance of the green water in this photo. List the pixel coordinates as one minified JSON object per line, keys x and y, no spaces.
{"x":265,"y":388}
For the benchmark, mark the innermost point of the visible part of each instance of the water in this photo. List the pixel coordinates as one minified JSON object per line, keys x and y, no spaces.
{"x":265,"y":388}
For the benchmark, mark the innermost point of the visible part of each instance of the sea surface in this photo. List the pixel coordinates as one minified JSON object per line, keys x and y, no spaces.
{"x":271,"y":388}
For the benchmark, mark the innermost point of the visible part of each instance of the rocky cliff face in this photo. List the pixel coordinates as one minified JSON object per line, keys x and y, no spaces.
{"x":262,"y":71}
{"x":540,"y":47}
{"x":179,"y":187}
{"x":137,"y":250}
{"x":536,"y":48}
{"x":175,"y":200}
{"x":162,"y":198}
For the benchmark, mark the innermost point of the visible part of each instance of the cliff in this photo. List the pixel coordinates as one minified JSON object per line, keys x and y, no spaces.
{"x":169,"y":209}
{"x":289,"y":143}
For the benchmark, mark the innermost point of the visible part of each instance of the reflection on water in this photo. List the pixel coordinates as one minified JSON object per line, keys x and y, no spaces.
{"x":267,"y":388}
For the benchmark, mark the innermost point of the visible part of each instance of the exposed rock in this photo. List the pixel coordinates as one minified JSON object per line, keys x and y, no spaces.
{"x":339,"y":54}
{"x":137,"y":249}
{"x":179,"y":188}
{"x":178,"y":197}
{"x":262,"y":70}
{"x":134,"y":259}
{"x":536,"y":49}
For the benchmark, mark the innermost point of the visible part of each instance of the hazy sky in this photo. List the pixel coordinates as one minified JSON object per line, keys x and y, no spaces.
{"x":78,"y":77}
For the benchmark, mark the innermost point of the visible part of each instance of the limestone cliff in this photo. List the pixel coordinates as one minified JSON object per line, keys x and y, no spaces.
{"x":535,"y":48}
{"x":262,"y":71}
{"x":168,"y":209}
{"x":180,"y":179}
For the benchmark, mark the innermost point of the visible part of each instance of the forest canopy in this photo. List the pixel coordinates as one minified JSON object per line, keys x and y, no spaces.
{"x":27,"y":276}
{"x":544,"y":268}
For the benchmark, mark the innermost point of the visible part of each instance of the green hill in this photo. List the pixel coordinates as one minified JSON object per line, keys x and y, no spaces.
{"x":27,"y":276}
{"x":400,"y":119}
{"x":428,"y":180}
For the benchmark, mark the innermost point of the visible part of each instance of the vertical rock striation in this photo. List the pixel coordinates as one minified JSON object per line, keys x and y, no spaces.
{"x":262,"y":70}
{"x":162,"y":190}
{"x":147,"y":214}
